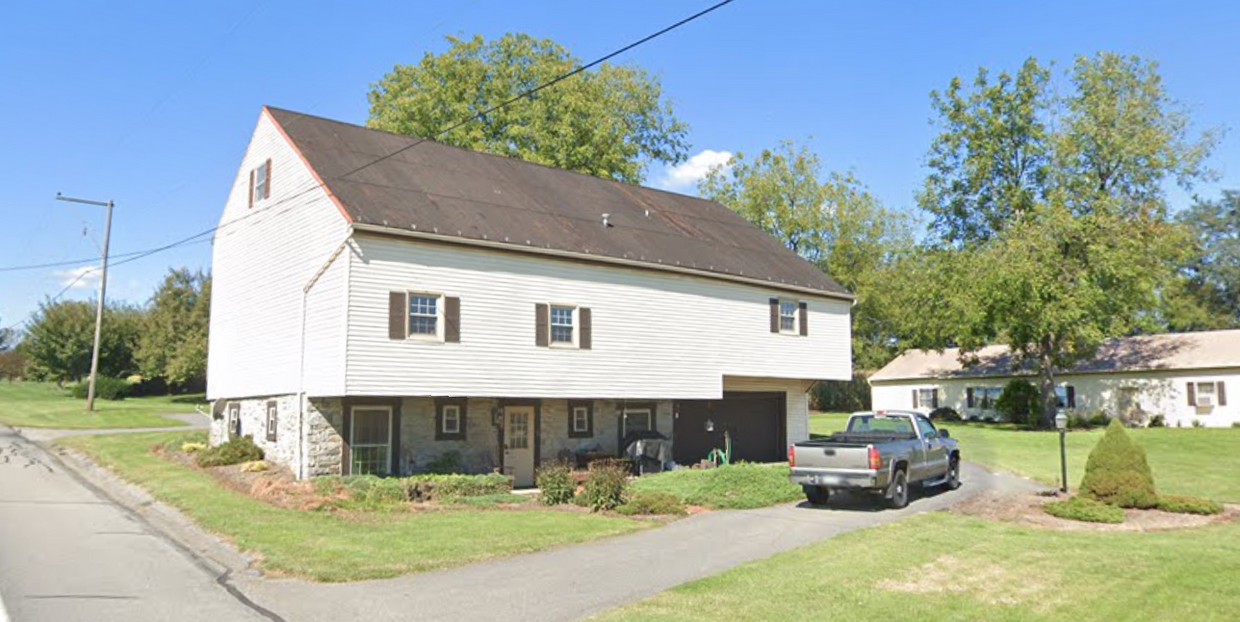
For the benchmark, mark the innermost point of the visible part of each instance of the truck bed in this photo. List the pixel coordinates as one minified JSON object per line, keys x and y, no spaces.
{"x":861,"y":438}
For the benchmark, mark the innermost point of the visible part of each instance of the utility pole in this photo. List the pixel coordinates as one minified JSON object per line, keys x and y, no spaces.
{"x":103,"y":288}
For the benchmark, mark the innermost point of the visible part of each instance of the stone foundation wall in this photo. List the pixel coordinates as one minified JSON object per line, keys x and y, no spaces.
{"x":253,"y":415}
{"x":324,"y":445}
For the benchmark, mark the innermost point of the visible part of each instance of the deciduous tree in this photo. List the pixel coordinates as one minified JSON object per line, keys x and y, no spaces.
{"x":611,"y":121}
{"x":173,"y":341}
{"x":60,"y":338}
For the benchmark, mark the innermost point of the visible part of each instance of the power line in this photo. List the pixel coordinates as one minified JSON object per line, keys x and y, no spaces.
{"x":136,"y":255}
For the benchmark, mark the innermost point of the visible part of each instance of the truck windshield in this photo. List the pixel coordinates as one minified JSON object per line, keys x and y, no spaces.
{"x":880,"y":423}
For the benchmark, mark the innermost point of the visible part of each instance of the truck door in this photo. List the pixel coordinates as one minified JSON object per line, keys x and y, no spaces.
{"x":935,"y":450}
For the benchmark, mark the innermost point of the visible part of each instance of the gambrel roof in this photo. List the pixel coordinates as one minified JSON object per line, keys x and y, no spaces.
{"x":466,"y":195}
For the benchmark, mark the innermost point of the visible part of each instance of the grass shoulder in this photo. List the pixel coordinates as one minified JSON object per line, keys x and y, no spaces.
{"x":44,"y":405}
{"x":340,"y":545}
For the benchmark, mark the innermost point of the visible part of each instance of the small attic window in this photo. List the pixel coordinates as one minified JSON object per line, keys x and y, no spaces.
{"x":260,"y":182}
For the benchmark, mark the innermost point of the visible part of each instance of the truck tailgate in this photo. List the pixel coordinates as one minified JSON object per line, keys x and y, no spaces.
{"x":824,"y":455}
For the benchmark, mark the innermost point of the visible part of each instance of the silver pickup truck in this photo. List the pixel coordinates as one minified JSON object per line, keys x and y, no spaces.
{"x":881,"y":452}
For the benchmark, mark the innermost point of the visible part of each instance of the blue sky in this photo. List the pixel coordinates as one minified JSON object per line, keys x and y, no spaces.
{"x":152,"y":103}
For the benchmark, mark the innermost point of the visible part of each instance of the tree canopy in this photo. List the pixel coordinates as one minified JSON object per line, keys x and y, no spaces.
{"x":1057,"y":236}
{"x":173,"y":341}
{"x":60,"y":339}
{"x":612,"y":121}
{"x":1208,"y":295}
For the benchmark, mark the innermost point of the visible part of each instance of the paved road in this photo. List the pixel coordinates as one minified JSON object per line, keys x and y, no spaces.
{"x":68,"y":554}
{"x":570,"y":583}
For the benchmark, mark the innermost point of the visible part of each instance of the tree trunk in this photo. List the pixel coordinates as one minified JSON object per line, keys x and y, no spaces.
{"x":1046,"y":382}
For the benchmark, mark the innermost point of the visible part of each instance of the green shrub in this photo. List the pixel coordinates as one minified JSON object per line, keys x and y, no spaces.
{"x":1198,"y":424}
{"x":1158,"y":421}
{"x":556,"y":484}
{"x":370,"y":492}
{"x":106,"y":388}
{"x":1183,"y":504}
{"x":438,"y":486}
{"x":606,"y":484}
{"x":192,"y":448}
{"x":1099,"y":419}
{"x":1117,"y":472}
{"x":650,"y":502}
{"x":1084,"y":509}
{"x":945,"y":413}
{"x":1077,"y":422}
{"x":1020,"y":402}
{"x":447,"y":462}
{"x":237,"y":450}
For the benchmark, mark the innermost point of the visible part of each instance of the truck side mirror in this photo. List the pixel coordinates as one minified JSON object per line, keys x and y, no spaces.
{"x":944,"y":434}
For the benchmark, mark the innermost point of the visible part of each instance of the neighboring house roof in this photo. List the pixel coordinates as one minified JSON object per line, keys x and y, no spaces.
{"x":445,"y":190}
{"x":1202,"y":350}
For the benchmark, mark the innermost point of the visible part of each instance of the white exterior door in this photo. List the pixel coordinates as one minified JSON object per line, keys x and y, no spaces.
{"x":519,"y":444}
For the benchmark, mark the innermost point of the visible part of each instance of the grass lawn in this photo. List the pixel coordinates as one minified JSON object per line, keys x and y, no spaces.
{"x":43,"y":405}
{"x":332,"y":546}
{"x":948,"y":567}
{"x":1190,"y":461}
{"x":736,"y":486}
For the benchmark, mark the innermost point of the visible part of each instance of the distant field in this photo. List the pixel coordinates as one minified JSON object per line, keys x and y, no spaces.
{"x":44,"y":405}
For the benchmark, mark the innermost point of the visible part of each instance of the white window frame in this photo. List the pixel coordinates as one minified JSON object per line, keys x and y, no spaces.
{"x":575,"y":326}
{"x":1213,"y":394}
{"x":981,"y":399}
{"x":439,"y":318}
{"x":581,"y":414}
{"x":796,"y":317}
{"x":630,"y":411}
{"x":354,"y":445}
{"x":454,"y":410}
{"x":262,"y":177}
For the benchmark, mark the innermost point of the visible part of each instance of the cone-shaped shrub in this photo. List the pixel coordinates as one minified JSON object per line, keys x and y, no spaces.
{"x":1117,"y":472}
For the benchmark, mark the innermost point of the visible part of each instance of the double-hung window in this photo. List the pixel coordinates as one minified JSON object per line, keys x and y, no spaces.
{"x":787,"y":316}
{"x":450,"y":422}
{"x":562,"y":331}
{"x":423,"y":315}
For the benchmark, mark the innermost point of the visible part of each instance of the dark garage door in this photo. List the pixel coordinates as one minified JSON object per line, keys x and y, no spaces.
{"x":755,"y":420}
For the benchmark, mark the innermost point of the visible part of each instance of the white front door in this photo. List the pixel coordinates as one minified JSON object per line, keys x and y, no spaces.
{"x":519,"y":444}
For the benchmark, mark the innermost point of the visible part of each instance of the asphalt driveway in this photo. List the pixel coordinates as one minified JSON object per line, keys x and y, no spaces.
{"x":573,"y":582}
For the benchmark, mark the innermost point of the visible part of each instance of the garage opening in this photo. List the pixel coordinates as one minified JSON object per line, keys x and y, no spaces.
{"x":756,"y":421}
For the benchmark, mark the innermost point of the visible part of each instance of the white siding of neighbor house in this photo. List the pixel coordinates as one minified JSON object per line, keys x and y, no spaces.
{"x":259,"y":267}
{"x":655,"y":335}
{"x":1157,"y":393}
{"x":796,"y":401}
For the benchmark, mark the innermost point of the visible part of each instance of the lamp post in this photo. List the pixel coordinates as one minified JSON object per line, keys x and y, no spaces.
{"x":1061,"y":422}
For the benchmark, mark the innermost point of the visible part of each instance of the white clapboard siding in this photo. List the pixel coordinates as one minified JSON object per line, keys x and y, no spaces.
{"x":656,"y":335}
{"x":259,"y":267}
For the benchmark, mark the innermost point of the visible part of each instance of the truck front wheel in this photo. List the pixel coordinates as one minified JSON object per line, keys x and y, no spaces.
{"x":897,"y":493}
{"x":816,"y":495}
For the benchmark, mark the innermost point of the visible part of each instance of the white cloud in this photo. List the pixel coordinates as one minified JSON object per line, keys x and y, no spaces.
{"x":86,"y":277}
{"x":688,"y":173}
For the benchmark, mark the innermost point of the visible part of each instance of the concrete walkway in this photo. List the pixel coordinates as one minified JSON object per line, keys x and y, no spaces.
{"x":570,"y":583}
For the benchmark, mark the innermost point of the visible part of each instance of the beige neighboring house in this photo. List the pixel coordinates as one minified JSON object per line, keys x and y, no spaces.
{"x":1184,"y":377}
{"x":385,"y":305}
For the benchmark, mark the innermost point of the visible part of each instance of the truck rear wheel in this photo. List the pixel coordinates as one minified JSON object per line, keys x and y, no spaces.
{"x":897,"y":493}
{"x":816,"y":495}
{"x":953,"y":473}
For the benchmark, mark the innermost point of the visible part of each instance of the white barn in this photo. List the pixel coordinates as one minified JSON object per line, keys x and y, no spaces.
{"x":382,"y":305}
{"x":1184,"y":377}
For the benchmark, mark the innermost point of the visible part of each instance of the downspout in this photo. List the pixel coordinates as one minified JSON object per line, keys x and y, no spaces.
{"x":301,"y":374}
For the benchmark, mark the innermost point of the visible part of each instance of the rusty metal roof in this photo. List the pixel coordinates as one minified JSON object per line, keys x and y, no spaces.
{"x":438,"y":188}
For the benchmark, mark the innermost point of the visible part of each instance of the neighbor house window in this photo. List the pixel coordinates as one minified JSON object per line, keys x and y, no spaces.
{"x":926,"y":398}
{"x":787,"y":316}
{"x":1065,"y":397}
{"x":562,"y":325}
{"x":371,"y":440}
{"x":273,"y":409}
{"x":983,"y":397}
{"x":637,"y":418}
{"x":1207,"y":394}
{"x":424,"y":315}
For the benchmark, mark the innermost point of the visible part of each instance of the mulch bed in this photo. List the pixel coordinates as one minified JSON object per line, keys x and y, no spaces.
{"x":1027,"y":510}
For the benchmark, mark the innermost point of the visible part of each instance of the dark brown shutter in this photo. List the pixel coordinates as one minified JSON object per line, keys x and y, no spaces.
{"x":541,"y":338}
{"x":394,"y":468}
{"x":1192,"y":394}
{"x":452,"y":319}
{"x":1222,"y":394}
{"x":586,"y":338}
{"x":1071,"y":396}
{"x":398,"y":316}
{"x":968,"y":397}
{"x":267,"y":186}
{"x":774,"y":315}
{"x":804,"y":309}
{"x":251,"y":187}
{"x":346,"y":437}
{"x":915,"y":398}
